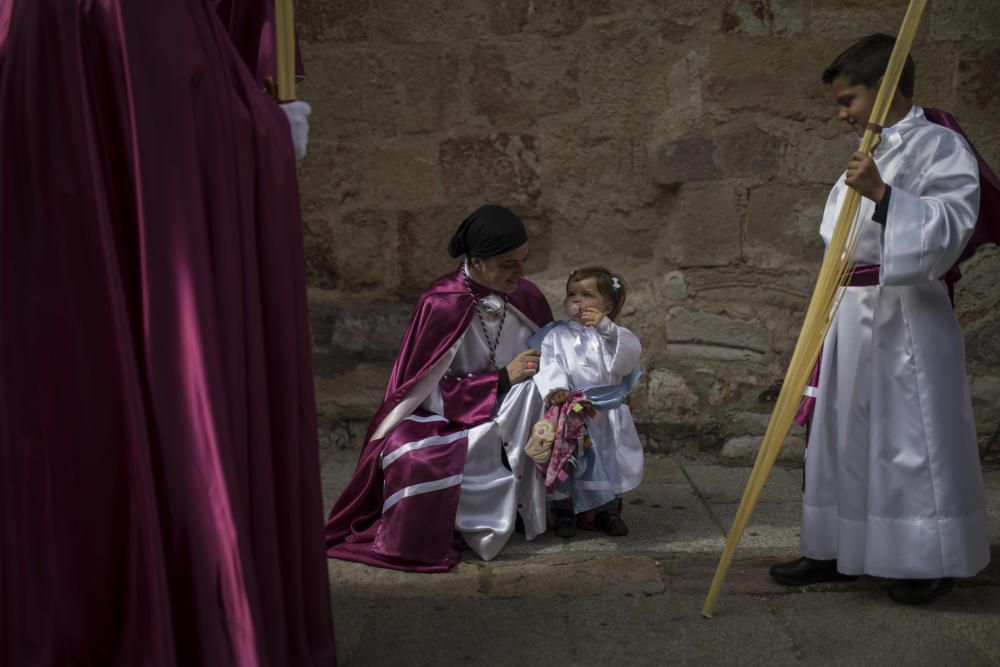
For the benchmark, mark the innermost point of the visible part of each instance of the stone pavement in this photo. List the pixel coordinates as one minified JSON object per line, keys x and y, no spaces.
{"x":596,"y":600}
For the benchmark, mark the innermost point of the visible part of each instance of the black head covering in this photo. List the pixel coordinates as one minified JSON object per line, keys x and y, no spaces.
{"x":490,"y":231}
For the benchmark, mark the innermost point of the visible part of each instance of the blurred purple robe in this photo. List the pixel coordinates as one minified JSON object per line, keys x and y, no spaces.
{"x":159,"y":477}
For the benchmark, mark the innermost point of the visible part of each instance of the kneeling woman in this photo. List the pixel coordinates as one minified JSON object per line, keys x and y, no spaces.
{"x":442,"y":466}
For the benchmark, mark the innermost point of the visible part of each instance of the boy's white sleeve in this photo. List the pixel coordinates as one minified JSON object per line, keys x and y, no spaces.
{"x":623,"y":348}
{"x":926,"y":231}
{"x":552,"y":367}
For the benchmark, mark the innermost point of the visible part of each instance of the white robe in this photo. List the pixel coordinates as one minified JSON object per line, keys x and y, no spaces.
{"x":575,"y":357}
{"x":492,"y":495}
{"x":893,"y":485}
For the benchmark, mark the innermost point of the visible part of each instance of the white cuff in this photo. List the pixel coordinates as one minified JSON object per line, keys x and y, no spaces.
{"x":298,"y":120}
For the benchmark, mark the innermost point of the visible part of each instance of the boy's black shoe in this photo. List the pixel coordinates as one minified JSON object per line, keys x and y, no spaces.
{"x":919,"y":591}
{"x":611,"y":523}
{"x":565,"y":525}
{"x":807,"y":571}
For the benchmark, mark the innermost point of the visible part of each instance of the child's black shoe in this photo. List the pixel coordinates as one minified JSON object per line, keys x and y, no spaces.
{"x":565,"y":524}
{"x":611,"y":523}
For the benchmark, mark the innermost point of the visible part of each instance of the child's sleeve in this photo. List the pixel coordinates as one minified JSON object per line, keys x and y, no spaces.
{"x":622,"y":348}
{"x":553,"y":369}
{"x":926,"y":231}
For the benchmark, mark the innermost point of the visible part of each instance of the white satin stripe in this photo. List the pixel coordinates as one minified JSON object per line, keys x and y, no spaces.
{"x":427,"y":385}
{"x":423,"y":487}
{"x":421,"y":444}
{"x":428,"y":418}
{"x":810,"y":391}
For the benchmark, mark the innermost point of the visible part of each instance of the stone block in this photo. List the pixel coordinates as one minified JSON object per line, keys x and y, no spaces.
{"x":775,"y":18}
{"x":725,"y":485}
{"x":361,"y":331}
{"x":975,"y":293}
{"x":743,"y":450}
{"x":819,"y":154}
{"x":624,"y":66}
{"x":986,"y":402}
{"x":982,"y":343}
{"x":400,"y":173}
{"x":589,"y":237}
{"x":424,"y":234}
{"x":685,"y":159}
{"x":684,"y":92}
{"x":704,"y":227}
{"x":691,"y":327}
{"x":331,"y":21}
{"x":352,"y":394}
{"x":331,"y":174}
{"x":964,"y":20}
{"x":669,"y":397}
{"x":715,"y":352}
{"x":428,"y":87}
{"x":782,"y":225}
{"x":733,"y":151}
{"x":977,"y":83}
{"x":837,"y":19}
{"x":776,"y":77}
{"x":675,"y":289}
{"x":553,"y":18}
{"x":746,"y":151}
{"x":746,"y":423}
{"x":497,"y":167}
{"x":776,"y":293}
{"x":597,"y":168}
{"x":685,"y":12}
{"x":935,"y":84}
{"x":364,"y":244}
{"x":351,"y":91}
{"x":358,"y":90}
{"x":317,"y":244}
{"x":515,"y":85}
{"x":426,"y":21}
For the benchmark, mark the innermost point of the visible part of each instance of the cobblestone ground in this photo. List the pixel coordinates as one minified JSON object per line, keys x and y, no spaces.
{"x":597,"y":600}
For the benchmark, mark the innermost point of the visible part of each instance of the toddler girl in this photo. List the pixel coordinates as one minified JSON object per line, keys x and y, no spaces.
{"x":591,"y":354}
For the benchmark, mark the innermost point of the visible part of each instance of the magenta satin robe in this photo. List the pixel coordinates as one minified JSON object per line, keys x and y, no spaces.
{"x":159,"y":478}
{"x":419,"y":535}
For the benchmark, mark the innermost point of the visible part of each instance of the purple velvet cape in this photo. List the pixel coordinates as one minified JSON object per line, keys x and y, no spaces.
{"x":988,"y":224}
{"x":159,"y":472}
{"x":421,"y":536}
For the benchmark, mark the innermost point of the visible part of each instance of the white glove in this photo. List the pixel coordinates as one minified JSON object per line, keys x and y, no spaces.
{"x":298,"y":119}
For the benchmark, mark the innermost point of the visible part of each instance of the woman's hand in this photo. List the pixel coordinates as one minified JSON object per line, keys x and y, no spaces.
{"x":591,"y":317}
{"x":523,"y":366}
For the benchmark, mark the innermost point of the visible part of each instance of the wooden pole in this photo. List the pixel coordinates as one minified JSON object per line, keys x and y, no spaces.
{"x":822,"y":307}
{"x":284,"y":25}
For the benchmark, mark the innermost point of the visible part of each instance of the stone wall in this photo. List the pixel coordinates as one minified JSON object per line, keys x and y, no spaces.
{"x":687,"y":144}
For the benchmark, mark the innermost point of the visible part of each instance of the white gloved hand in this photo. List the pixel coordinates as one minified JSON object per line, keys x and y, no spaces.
{"x":298,"y":119}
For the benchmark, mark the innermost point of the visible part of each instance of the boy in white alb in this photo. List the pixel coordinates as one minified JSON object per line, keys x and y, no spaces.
{"x":893,"y":485}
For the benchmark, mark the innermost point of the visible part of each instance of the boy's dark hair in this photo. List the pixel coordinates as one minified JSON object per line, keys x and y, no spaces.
{"x":605,"y":285}
{"x":865,"y":62}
